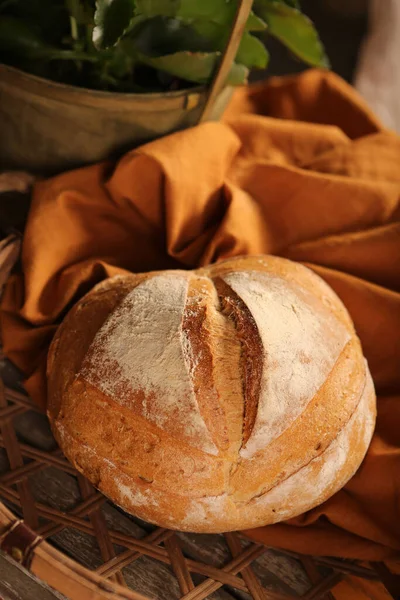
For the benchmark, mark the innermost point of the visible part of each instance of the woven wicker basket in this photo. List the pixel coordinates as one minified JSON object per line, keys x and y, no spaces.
{"x":59,"y":527}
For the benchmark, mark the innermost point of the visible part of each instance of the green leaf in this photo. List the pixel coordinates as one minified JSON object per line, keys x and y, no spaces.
{"x":238,"y":75}
{"x":154,"y":8}
{"x":192,"y":66}
{"x":163,"y":35}
{"x":216,"y":11}
{"x":255,"y":23}
{"x":294,"y":30}
{"x":216,"y":34}
{"x":197,"y":67}
{"x":179,"y":49}
{"x":112,"y":18}
{"x":252,"y":53}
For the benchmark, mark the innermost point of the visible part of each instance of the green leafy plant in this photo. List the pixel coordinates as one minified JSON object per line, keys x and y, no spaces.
{"x":146,"y":45}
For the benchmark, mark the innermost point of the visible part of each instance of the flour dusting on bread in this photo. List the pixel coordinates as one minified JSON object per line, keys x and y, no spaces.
{"x":301,"y":344}
{"x":318,"y":480}
{"x":140,"y":353}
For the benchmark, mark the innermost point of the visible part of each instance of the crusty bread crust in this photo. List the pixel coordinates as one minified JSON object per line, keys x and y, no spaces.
{"x":224,"y":398}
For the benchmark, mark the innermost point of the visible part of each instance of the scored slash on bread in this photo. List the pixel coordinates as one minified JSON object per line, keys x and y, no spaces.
{"x":224,"y":398}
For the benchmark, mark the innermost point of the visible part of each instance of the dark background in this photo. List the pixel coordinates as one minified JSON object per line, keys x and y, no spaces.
{"x":342,"y":25}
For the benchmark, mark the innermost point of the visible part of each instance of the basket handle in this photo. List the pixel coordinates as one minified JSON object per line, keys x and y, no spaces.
{"x":242,"y":14}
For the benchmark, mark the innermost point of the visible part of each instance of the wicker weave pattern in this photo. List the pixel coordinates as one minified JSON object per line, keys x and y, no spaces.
{"x":26,"y":461}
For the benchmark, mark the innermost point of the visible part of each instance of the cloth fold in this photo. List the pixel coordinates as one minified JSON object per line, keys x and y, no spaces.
{"x":300,"y":168}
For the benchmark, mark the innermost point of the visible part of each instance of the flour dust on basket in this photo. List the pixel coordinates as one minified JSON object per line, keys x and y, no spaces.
{"x":218,"y":399}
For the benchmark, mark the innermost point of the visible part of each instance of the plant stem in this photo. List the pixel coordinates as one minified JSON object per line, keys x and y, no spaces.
{"x":71,"y":55}
{"x":74,"y":28}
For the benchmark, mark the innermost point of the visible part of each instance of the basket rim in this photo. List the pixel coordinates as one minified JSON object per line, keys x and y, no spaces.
{"x":24,"y":77}
{"x":47,"y":562}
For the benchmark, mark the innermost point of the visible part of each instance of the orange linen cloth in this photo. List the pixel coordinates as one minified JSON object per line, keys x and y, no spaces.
{"x":298,"y":168}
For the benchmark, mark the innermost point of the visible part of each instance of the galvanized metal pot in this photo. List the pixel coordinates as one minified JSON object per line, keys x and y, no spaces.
{"x":48,"y":127}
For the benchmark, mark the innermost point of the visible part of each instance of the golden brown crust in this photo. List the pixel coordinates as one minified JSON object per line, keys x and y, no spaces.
{"x":156,"y":472}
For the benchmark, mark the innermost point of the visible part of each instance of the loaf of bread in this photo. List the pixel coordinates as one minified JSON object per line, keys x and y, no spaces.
{"x":224,"y":398}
